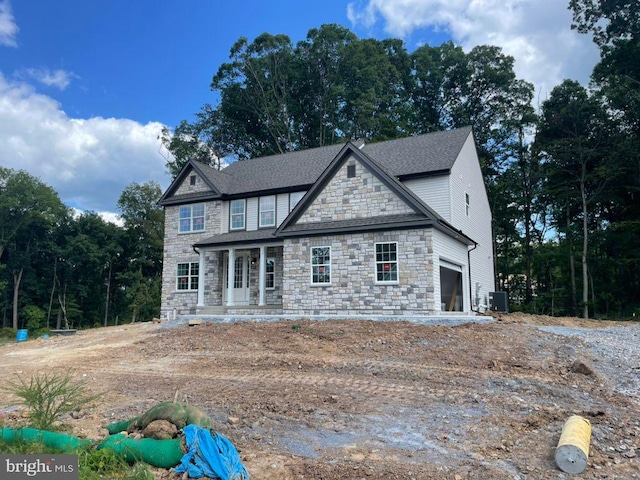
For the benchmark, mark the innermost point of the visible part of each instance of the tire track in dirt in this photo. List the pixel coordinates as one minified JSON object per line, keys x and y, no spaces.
{"x":390,"y":389}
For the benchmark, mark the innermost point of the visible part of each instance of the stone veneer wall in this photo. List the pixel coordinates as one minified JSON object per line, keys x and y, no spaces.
{"x":213,"y":261}
{"x":345,"y":198}
{"x":178,"y":249}
{"x":273,"y":296}
{"x":353,"y":289}
{"x":186,"y":187}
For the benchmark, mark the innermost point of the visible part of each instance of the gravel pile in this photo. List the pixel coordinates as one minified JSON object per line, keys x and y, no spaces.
{"x":615,"y":352}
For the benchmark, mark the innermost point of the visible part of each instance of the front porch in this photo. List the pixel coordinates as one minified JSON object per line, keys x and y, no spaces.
{"x":240,"y":279}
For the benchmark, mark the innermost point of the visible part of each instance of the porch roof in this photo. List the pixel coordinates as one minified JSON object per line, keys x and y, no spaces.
{"x":367,"y":224}
{"x":356,"y":224}
{"x":264,"y":235}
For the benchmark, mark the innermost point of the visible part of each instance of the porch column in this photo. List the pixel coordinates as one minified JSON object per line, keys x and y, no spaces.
{"x":201,"y":278}
{"x":231,"y":263}
{"x":263,"y":270}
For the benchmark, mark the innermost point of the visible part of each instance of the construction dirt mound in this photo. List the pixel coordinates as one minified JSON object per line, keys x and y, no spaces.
{"x":367,"y":400}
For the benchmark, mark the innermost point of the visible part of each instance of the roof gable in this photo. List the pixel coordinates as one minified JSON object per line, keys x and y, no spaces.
{"x":372,"y":197}
{"x":181,"y":189}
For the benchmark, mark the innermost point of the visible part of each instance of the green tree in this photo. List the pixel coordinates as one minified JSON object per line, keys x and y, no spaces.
{"x":573,"y":135}
{"x":319,"y":85}
{"x":88,"y":248}
{"x":144,"y":235}
{"x":29,"y":212}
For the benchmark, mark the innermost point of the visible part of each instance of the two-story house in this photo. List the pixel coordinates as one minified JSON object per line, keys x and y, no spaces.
{"x":401,"y":227}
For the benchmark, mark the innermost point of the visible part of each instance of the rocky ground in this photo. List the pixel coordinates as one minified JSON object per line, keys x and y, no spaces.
{"x":366,"y":400}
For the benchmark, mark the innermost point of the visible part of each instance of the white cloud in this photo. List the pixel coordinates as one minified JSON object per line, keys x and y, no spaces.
{"x":8,"y":27}
{"x":537,"y":33}
{"x":51,"y":78}
{"x":88,"y":162}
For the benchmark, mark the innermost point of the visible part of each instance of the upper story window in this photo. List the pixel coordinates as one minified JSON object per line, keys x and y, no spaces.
{"x":320,"y":265}
{"x":237,"y":210}
{"x":294,"y":198}
{"x":387,"y":262}
{"x":267,"y":211}
{"x":467,"y":204}
{"x":192,"y":218}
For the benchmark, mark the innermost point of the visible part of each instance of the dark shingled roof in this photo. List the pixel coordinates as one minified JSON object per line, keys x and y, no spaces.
{"x":379,"y":222}
{"x":432,"y":152}
{"x":403,"y":157}
{"x":262,"y":235}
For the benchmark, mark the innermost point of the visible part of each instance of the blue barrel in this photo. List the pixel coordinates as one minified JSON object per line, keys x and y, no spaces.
{"x":22,"y":335}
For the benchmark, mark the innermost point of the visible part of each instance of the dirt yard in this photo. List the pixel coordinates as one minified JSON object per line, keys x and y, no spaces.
{"x":364,"y":400}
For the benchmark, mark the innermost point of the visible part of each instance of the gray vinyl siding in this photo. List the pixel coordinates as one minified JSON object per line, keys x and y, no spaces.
{"x":466,"y":177}
{"x":224,"y":225}
{"x":435,"y":192}
{"x":251,"y":213}
{"x":282,"y":207}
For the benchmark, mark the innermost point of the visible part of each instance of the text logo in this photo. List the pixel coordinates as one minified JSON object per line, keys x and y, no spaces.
{"x":40,"y":467}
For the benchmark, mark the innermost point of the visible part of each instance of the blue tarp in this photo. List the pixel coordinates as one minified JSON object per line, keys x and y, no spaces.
{"x":212,"y":456}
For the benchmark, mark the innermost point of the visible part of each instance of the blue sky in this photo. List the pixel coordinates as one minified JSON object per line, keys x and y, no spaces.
{"x":87,"y":85}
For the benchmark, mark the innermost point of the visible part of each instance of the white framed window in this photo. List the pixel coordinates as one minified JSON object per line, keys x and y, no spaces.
{"x":270,"y":274}
{"x":387,"y":262}
{"x":191,"y":218}
{"x":294,"y":198}
{"x":320,"y":265}
{"x":237,"y":210}
{"x":267,"y":208}
{"x":467,"y":204}
{"x":187,"y":278}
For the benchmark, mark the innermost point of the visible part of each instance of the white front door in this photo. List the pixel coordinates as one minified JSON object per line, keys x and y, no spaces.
{"x":240,"y":279}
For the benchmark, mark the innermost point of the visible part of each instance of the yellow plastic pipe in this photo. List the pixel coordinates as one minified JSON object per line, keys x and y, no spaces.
{"x":572,"y":452}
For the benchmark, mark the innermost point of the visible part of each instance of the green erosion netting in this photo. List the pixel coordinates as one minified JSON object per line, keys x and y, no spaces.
{"x":159,"y":453}
{"x":58,"y":441}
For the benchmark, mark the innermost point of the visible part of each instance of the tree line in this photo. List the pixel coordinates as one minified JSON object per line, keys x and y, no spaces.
{"x":562,"y":175}
{"x":62,"y":270}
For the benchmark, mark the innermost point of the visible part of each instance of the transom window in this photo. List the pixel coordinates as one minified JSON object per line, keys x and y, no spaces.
{"x":270,"y":273}
{"x":294,"y":198}
{"x":237,"y":209}
{"x":188,"y":276}
{"x":268,"y":211}
{"x":320,"y":265}
{"x":387,"y":262}
{"x":192,"y":218}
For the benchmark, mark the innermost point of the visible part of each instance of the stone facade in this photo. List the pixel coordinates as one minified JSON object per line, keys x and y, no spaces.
{"x":177,"y":249}
{"x":360,"y":196}
{"x":198,"y":185}
{"x":353,"y":289}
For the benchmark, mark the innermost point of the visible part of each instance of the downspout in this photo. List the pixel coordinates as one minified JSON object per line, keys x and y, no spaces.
{"x":475,"y":245}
